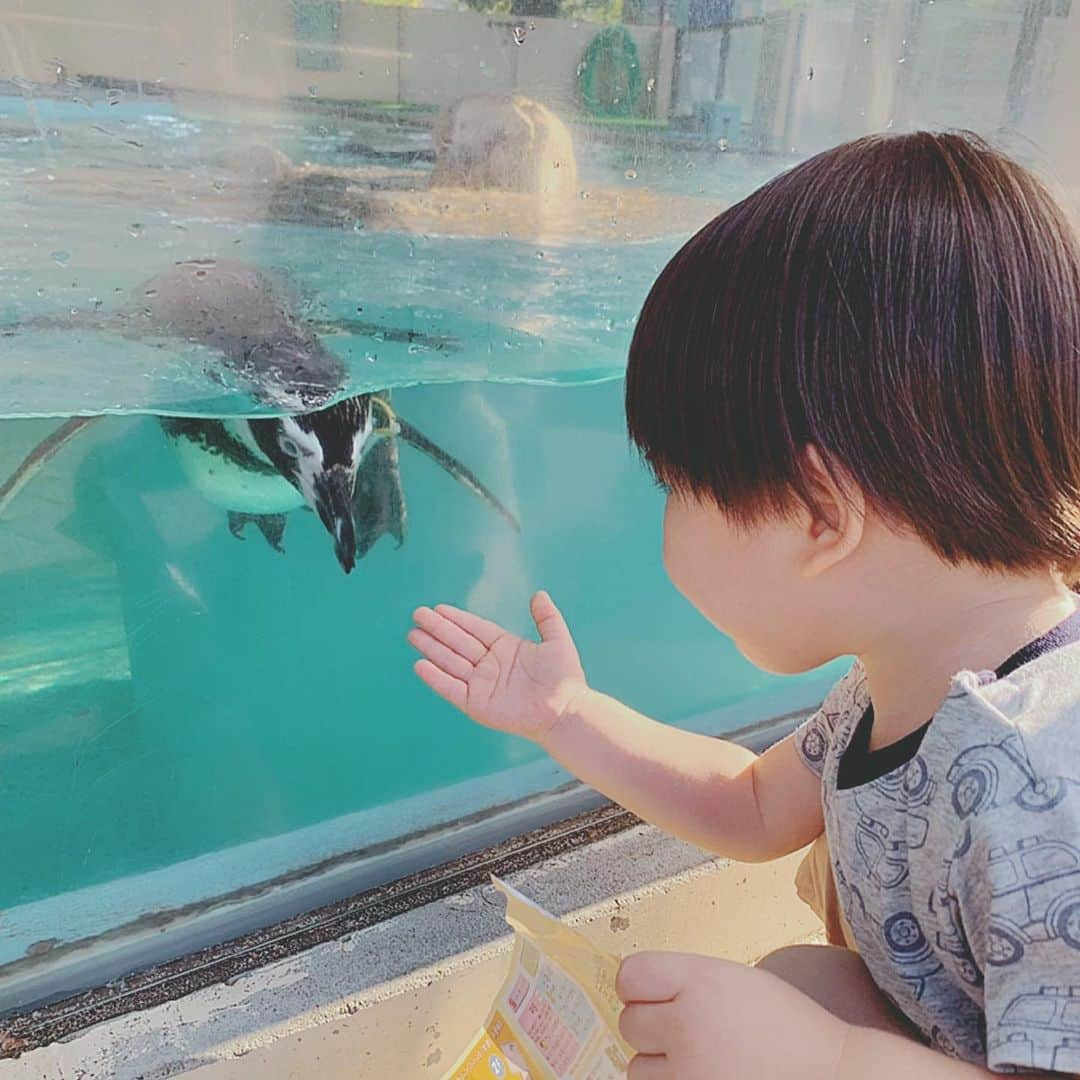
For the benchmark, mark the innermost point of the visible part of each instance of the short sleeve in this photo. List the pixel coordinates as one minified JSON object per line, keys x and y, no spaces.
{"x":1018,"y":889}
{"x":814,"y":736}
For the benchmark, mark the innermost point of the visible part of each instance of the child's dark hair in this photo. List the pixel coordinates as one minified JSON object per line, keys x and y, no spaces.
{"x":909,"y":305}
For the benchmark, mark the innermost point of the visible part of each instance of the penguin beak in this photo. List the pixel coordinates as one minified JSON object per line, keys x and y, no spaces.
{"x":333,"y":501}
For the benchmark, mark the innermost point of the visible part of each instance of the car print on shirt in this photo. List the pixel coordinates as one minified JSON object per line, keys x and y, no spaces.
{"x":992,"y":774}
{"x":851,"y":899}
{"x":1041,"y":1030}
{"x":884,"y":860}
{"x":910,"y":952}
{"x":884,"y":851}
{"x":950,"y":936}
{"x":1035,"y":887}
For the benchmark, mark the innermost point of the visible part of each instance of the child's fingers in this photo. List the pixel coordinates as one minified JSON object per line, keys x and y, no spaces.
{"x":648,"y":1067}
{"x":647,"y":1028}
{"x":655,"y":976}
{"x":548,"y":619}
{"x":450,"y":634}
{"x":441,"y":656}
{"x":484,"y":631}
{"x":446,"y":686}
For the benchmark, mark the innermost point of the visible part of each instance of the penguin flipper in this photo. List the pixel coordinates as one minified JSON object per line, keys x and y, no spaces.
{"x":378,"y":499}
{"x":40,"y":456}
{"x":461,"y":473}
{"x":272,"y":526}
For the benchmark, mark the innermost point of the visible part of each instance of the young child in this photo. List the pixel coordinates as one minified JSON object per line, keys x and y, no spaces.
{"x":861,"y":389}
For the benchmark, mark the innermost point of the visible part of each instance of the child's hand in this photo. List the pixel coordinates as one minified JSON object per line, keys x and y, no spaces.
{"x":495,"y":677}
{"x":697,"y":1018}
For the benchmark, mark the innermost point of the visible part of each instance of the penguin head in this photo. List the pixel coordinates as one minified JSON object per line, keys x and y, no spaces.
{"x":319,"y":453}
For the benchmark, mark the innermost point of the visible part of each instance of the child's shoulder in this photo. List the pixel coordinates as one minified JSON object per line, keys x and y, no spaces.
{"x":843,"y":706}
{"x":1038,"y":705}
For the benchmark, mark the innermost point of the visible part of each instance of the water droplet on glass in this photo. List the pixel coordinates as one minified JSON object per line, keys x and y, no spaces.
{"x":519,"y":35}
{"x":135,"y":229}
{"x":61,"y":257}
{"x":866,"y":39}
{"x":584,"y":194}
{"x":581,"y":69}
{"x":219,"y":185}
{"x":556,"y":164}
{"x":539,"y":254}
{"x":610,"y":325}
{"x":150,"y":293}
{"x":810,"y":75}
{"x":650,"y":86}
{"x":631,"y":174}
{"x":723,"y":144}
{"x":41,"y":292}
{"x":114,"y":97}
{"x":50,"y":177}
{"x":313,"y":90}
{"x":532,"y":26}
{"x":902,"y":59}
{"x":371,"y":358}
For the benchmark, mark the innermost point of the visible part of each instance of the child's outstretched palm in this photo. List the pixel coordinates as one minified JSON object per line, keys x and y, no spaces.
{"x":495,"y":677}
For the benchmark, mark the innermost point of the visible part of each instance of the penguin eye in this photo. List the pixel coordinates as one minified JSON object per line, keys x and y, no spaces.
{"x":288,"y":446}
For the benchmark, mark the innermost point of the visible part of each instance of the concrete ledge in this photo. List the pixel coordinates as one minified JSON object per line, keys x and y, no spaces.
{"x":401,"y":998}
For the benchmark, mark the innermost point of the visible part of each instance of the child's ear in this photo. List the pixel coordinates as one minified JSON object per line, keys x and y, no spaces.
{"x":833,"y":527}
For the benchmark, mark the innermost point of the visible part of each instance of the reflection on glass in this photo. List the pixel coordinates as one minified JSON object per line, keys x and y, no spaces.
{"x":292,"y":287}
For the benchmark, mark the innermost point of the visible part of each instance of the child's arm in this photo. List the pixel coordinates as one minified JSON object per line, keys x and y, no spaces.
{"x":707,"y":791}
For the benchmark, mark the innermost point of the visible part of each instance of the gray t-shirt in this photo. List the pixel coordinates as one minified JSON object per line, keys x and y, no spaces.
{"x":959,"y":871}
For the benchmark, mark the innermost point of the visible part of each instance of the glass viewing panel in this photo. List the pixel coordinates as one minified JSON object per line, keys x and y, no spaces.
{"x":442,"y":218}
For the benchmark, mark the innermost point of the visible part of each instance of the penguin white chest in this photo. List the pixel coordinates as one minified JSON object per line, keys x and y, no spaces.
{"x":229,"y":482}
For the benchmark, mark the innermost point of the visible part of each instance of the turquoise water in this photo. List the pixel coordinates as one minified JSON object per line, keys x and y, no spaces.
{"x":168,"y":692}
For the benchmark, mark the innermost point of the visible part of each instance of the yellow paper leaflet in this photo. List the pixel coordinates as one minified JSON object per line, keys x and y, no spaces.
{"x":556,"y":1016}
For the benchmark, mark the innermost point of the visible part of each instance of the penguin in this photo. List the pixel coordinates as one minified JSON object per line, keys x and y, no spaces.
{"x":337,"y":458}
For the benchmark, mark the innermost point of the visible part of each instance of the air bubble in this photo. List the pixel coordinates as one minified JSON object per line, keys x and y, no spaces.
{"x":519,"y":35}
{"x":631,"y":174}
